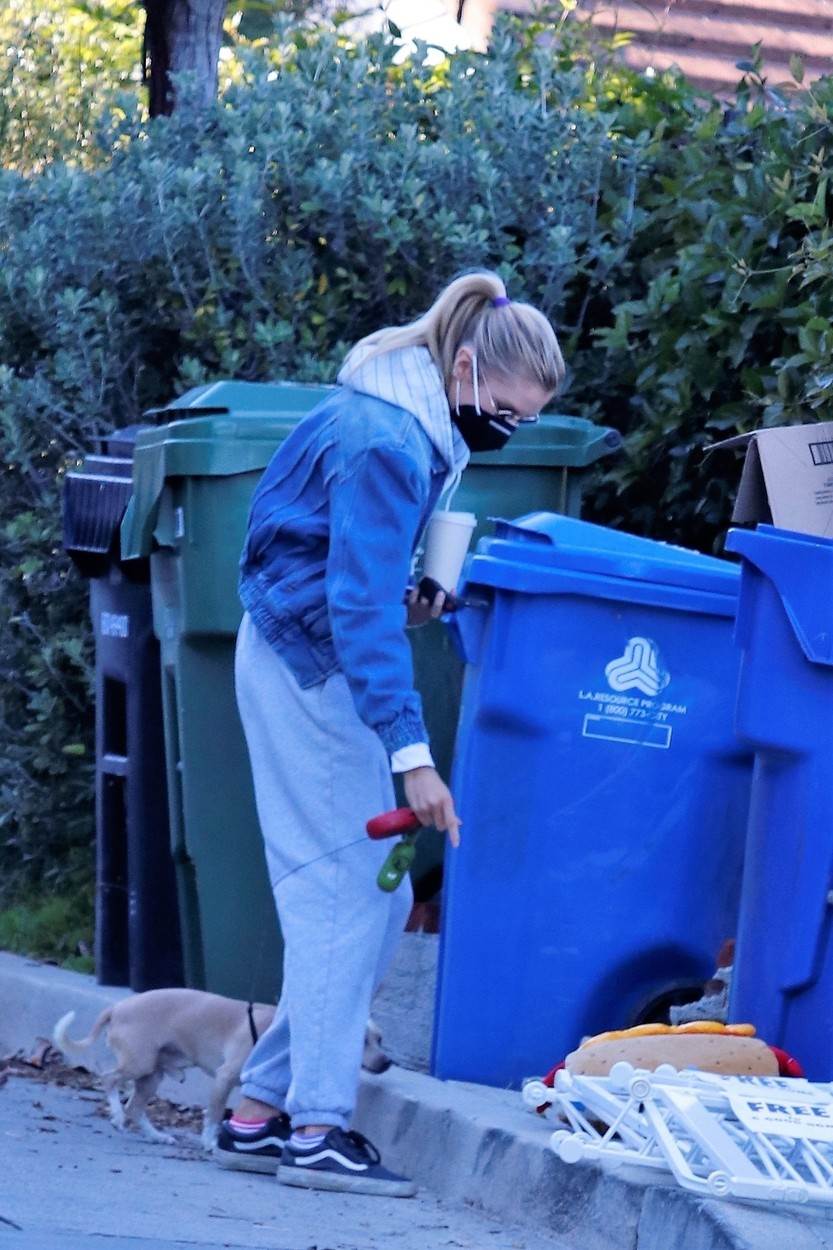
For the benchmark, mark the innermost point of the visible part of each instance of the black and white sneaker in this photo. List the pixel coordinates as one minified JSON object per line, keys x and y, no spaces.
{"x":345,"y":1162}
{"x":253,"y":1152}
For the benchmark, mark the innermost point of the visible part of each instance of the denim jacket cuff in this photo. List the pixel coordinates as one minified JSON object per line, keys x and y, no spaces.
{"x":407,"y":729}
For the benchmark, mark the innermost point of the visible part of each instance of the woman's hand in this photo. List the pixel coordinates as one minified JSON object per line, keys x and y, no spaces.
{"x":431,"y":799}
{"x":421,"y":611}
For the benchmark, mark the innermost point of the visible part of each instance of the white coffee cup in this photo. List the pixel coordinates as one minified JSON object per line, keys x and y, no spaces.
{"x":447,"y":538}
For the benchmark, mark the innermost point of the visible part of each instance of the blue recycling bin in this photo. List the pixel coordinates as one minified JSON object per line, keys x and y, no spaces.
{"x":783,"y":973}
{"x":603,"y":795}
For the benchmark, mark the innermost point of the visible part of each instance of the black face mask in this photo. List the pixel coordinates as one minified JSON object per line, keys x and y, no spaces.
{"x":479,"y":430}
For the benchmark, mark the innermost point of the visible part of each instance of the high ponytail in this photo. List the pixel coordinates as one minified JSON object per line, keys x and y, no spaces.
{"x":512,"y":339}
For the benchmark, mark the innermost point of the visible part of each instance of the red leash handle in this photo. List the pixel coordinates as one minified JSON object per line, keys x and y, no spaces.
{"x":389,"y":824}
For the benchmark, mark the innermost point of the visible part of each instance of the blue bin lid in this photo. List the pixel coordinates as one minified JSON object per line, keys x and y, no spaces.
{"x":800,"y":567}
{"x":534,"y":553}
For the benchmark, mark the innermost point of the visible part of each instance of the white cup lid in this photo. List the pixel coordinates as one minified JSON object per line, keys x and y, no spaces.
{"x":457,"y":518}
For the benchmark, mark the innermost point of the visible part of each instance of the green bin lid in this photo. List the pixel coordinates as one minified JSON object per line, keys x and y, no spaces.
{"x":215,"y":431}
{"x":557,"y":442}
{"x":231,"y":427}
{"x":255,"y":399}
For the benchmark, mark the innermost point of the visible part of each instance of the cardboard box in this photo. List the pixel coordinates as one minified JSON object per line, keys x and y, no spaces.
{"x":787,"y":478}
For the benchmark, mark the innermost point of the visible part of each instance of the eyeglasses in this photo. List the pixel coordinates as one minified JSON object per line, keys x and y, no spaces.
{"x":509,"y":414}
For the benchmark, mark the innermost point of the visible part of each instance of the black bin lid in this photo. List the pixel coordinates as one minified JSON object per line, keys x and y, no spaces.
{"x":94,"y":499}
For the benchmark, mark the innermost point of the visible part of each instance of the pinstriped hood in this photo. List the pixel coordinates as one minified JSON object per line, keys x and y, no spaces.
{"x":408,"y":378}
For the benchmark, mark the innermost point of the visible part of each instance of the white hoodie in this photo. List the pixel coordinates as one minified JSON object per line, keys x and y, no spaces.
{"x":408,"y":378}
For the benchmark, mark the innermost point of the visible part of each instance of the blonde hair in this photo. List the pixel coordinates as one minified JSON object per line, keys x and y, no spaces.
{"x":512,"y":339}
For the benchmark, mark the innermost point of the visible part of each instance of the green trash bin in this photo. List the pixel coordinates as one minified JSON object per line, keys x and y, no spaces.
{"x":193,"y":479}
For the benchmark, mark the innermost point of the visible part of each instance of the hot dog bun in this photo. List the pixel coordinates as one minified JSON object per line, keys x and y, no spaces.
{"x":723,"y":1052}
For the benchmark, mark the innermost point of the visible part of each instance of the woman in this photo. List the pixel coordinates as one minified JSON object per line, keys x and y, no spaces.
{"x":325,"y":691}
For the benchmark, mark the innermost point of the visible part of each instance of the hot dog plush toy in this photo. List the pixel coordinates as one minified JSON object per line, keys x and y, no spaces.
{"x":730,"y":1049}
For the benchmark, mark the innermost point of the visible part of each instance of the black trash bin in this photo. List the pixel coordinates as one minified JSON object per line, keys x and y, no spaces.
{"x":137,"y":936}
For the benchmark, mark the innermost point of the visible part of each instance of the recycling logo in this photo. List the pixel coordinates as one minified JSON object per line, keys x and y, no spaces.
{"x":638,"y":669}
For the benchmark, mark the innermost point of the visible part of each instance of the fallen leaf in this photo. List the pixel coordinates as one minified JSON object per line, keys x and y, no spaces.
{"x":39,"y":1056}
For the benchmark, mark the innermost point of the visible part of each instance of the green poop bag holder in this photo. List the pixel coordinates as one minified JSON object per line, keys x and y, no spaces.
{"x":401,"y":821}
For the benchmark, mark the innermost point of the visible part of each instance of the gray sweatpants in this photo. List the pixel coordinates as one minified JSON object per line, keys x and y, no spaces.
{"x":319,"y":775}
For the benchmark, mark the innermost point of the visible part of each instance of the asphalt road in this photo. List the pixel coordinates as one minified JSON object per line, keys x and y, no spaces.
{"x":69,"y":1181}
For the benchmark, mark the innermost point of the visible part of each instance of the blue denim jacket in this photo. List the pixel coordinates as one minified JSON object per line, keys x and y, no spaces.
{"x":332,"y":529}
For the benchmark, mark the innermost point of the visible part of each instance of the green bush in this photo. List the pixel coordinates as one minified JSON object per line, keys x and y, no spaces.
{"x":726,"y":325}
{"x":62,"y":63}
{"x":56,"y":927}
{"x":330,"y":191}
{"x":681,"y":248}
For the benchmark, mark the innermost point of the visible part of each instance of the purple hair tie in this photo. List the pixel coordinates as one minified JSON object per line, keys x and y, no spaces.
{"x":500,"y":301}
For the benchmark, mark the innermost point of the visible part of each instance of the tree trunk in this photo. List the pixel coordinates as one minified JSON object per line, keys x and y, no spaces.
{"x":181,"y":35}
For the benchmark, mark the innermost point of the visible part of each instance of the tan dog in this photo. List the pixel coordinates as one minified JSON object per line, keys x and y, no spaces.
{"x":164,"y":1032}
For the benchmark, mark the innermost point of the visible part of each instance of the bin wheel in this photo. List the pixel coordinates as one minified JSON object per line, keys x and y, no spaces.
{"x":657,"y":1008}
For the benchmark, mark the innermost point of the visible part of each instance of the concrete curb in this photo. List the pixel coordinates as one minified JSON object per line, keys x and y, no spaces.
{"x":467,"y":1143}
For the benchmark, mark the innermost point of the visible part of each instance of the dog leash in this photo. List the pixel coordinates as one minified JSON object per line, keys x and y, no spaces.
{"x":391,"y":878}
{"x":250,"y":1012}
{"x":250,"y":1005}
{"x":398,"y":863}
